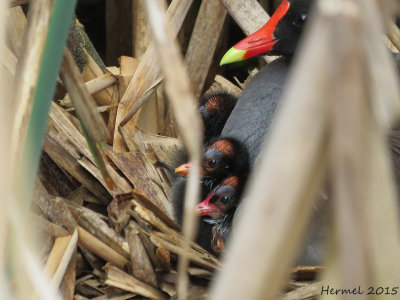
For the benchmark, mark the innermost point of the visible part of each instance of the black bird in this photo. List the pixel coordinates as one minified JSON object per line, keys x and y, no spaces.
{"x":223,"y":199}
{"x":220,"y":207}
{"x":254,"y":112}
{"x":221,"y":158}
{"x":215,"y":108}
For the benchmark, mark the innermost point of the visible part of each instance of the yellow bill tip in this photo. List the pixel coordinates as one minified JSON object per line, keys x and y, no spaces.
{"x":233,"y":55}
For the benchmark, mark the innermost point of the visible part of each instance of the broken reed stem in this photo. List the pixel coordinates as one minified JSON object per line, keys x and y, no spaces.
{"x":99,"y":248}
{"x":147,"y":72}
{"x":185,"y":111}
{"x":119,"y":279}
{"x":64,"y":262}
{"x":93,"y":86}
{"x":13,"y":3}
{"x":202,"y":44}
{"x":28,"y":72}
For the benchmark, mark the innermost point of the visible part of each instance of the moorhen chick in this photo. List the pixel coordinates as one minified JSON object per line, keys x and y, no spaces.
{"x":215,"y":108}
{"x":221,"y":158}
{"x":220,"y":207}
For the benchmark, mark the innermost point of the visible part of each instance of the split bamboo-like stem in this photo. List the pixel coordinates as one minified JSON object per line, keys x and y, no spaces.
{"x":202,"y":44}
{"x":120,"y":279}
{"x":147,"y":72}
{"x":28,"y":72}
{"x":99,"y":248}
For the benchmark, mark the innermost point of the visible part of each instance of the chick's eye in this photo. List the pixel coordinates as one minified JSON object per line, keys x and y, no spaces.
{"x":212,"y":163}
{"x":301,"y":19}
{"x":225,"y":200}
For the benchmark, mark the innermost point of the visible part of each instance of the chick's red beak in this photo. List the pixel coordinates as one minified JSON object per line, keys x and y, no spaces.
{"x":206,"y":208}
{"x":260,"y":42}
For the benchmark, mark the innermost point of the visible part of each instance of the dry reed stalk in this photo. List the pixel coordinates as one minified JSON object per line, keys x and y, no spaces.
{"x":120,"y":279}
{"x":65,"y":260}
{"x":93,"y":86}
{"x":16,"y":23}
{"x":93,"y":223}
{"x":10,"y":62}
{"x":56,"y":254}
{"x":141,"y":34}
{"x":53,"y":207}
{"x":141,"y":264}
{"x":384,"y":78}
{"x":68,"y":162}
{"x":67,"y":286}
{"x":13,"y":3}
{"x":202,"y":44}
{"x":49,"y":227}
{"x":226,"y":84}
{"x":147,"y":72}
{"x":92,"y":71}
{"x":181,"y":249}
{"x":361,"y":161}
{"x":249,"y":15}
{"x":92,"y":122}
{"x":28,"y":72}
{"x":15,"y":233}
{"x":348,"y":133}
{"x":394,"y":34}
{"x":72,"y":139}
{"x":100,"y":249}
{"x":142,"y":175}
{"x":112,"y":115}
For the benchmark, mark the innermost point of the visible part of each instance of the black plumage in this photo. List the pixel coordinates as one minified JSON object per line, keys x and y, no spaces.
{"x":215,"y":108}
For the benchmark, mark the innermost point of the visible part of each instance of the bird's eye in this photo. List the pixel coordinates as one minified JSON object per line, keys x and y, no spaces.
{"x":301,"y":19}
{"x":212,"y":163}
{"x":225,"y":200}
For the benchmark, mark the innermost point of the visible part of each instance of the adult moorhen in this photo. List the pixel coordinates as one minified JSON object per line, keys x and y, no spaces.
{"x":253,"y":114}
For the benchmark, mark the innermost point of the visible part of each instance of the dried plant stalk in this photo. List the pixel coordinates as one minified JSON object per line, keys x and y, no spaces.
{"x":13,"y":3}
{"x":28,"y":71}
{"x":99,"y":248}
{"x":92,"y":222}
{"x":92,"y":122}
{"x":141,"y":265}
{"x":249,"y":15}
{"x":93,"y":86}
{"x":119,"y":279}
{"x":66,"y":258}
{"x":60,"y":245}
{"x":141,"y":35}
{"x":147,"y":72}
{"x":226,"y":84}
{"x":49,"y":227}
{"x":16,"y":24}
{"x":202,"y":44}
